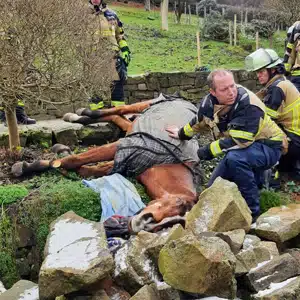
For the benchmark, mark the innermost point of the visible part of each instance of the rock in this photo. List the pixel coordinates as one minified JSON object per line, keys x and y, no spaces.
{"x":142,"y":87}
{"x":286,"y":290}
{"x":233,"y":238}
{"x":199,"y":265}
{"x":276,"y":270}
{"x":159,"y":240}
{"x":165,"y":291}
{"x":133,"y":266}
{"x":21,"y":290}
{"x":76,"y":255}
{"x":254,"y":257}
{"x":115,"y":292}
{"x":250,"y":241}
{"x":220,"y":208}
{"x":24,"y":236}
{"x":2,"y":288}
{"x":23,"y":267}
{"x":147,"y":292}
{"x":279,"y":224}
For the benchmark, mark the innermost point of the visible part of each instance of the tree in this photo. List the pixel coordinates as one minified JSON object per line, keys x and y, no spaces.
{"x":290,"y":9}
{"x":50,"y":52}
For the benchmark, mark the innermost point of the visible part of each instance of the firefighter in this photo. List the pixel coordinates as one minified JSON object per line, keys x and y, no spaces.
{"x":291,"y":58}
{"x":282,"y":100}
{"x":112,"y":29}
{"x":243,"y":131}
{"x":22,"y":117}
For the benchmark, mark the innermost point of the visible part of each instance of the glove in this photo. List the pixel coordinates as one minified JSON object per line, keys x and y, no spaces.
{"x":125,"y":52}
{"x":204,"y":153}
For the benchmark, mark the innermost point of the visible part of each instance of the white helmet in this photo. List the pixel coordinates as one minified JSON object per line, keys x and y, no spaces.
{"x":262,"y":58}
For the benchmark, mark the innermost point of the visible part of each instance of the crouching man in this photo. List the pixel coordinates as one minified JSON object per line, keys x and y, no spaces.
{"x":250,"y":140}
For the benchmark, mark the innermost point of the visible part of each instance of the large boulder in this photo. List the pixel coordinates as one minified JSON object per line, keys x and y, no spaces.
{"x":220,"y":208}
{"x":279,"y":224}
{"x":234,"y":239}
{"x":147,"y":292}
{"x":253,"y":257}
{"x":276,"y":270}
{"x":21,"y":290}
{"x":133,"y":266}
{"x":76,"y":255}
{"x":203,"y":265}
{"x":286,"y":290}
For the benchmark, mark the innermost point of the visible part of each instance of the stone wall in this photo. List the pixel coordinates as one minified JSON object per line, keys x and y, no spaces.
{"x":191,"y":85}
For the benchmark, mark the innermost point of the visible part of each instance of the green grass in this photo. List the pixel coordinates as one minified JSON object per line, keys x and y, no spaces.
{"x":154,"y":50}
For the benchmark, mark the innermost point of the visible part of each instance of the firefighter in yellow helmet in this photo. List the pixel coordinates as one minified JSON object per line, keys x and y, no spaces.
{"x":112,"y":29}
{"x":282,"y":100}
{"x":291,"y":58}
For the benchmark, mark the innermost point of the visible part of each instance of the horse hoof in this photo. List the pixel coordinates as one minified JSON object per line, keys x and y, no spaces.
{"x":17,"y":169}
{"x":61,"y":149}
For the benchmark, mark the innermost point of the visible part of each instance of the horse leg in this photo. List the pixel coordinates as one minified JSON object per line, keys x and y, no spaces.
{"x":101,"y":169}
{"x":120,"y":110}
{"x":102,"y":153}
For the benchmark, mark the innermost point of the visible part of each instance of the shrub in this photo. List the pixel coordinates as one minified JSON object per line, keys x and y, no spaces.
{"x":8,"y":269}
{"x":216,"y":28}
{"x":12,"y":193}
{"x":269,"y":199}
{"x":264,"y":28}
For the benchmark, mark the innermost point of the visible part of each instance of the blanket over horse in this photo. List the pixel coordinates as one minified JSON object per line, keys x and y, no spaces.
{"x":167,"y":167}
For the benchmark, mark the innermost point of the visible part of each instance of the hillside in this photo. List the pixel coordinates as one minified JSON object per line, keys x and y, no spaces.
{"x":154,"y":50}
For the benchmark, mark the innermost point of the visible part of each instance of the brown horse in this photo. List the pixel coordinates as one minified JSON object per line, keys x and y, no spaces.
{"x":165,"y":166}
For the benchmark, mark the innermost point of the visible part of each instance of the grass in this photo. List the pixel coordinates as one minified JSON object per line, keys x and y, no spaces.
{"x":154,"y":50}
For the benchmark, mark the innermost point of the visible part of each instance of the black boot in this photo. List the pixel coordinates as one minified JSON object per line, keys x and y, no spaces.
{"x":295,"y":174}
{"x":22,"y":118}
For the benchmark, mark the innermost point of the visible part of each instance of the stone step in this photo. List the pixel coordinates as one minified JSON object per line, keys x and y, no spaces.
{"x":46,"y":133}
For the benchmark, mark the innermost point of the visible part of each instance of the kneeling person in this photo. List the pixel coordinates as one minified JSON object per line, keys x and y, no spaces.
{"x":282,"y":100}
{"x":251,"y":141}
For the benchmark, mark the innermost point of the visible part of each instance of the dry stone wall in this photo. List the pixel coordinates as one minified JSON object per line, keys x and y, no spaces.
{"x":191,"y":85}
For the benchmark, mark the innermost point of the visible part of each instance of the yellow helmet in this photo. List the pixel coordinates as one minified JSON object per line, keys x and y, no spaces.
{"x":262,"y":58}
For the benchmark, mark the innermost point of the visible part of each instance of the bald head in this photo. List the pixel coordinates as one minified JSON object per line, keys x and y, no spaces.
{"x":222,"y":86}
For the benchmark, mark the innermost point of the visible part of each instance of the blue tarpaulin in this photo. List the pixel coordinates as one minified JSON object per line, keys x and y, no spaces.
{"x":118,"y":195}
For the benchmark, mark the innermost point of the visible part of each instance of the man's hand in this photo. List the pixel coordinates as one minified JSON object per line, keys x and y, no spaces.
{"x":204,"y":153}
{"x":173,"y":131}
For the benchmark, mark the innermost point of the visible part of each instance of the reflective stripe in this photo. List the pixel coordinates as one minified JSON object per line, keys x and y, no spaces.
{"x":295,"y":73}
{"x":272,"y":113}
{"x":123,"y":43}
{"x":188,"y":130}
{"x":290,"y":107}
{"x":117,"y":103}
{"x":242,"y":134}
{"x":95,"y":106}
{"x":20,"y":103}
{"x":295,"y":120}
{"x":287,"y":67}
{"x":215,"y":148}
{"x":290,"y":45}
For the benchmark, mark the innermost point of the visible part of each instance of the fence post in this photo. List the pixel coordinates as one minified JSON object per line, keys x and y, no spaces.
{"x":234,"y":30}
{"x":198,"y":48}
{"x":230,"y":33}
{"x":257,"y":40}
{"x":190,"y":14}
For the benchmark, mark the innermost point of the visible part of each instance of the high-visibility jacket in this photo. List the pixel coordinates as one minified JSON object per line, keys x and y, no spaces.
{"x":237,"y":125}
{"x":291,"y":58}
{"x":282,"y":100}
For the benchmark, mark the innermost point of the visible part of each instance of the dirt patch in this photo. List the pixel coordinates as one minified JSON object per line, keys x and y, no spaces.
{"x":8,"y":158}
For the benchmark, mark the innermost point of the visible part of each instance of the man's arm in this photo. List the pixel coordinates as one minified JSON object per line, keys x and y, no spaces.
{"x":242,"y":130}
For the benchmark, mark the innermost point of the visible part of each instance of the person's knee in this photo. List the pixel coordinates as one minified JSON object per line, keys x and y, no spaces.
{"x":234,"y":159}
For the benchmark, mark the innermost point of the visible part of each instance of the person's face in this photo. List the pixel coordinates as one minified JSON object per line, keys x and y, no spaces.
{"x":225,"y":89}
{"x":263,"y":76}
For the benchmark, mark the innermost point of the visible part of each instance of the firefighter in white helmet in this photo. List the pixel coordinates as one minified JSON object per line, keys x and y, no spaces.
{"x":282,"y":100}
